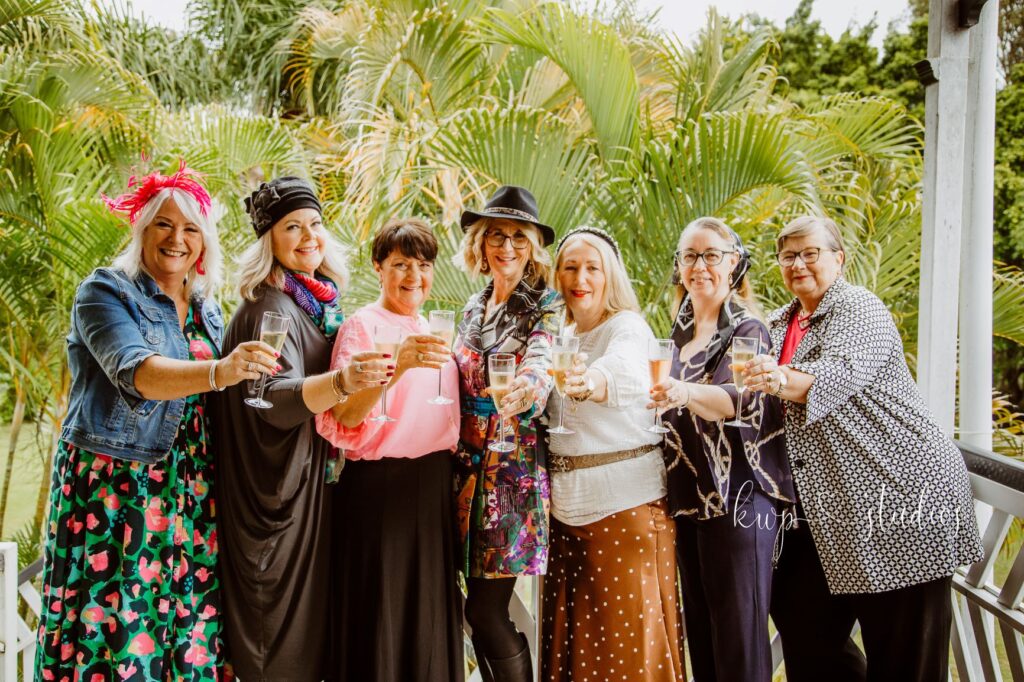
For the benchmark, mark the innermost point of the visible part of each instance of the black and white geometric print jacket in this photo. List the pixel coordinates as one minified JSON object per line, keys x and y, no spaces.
{"x":884,"y":490}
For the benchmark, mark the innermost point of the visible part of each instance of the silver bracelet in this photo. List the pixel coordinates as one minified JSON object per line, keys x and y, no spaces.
{"x":213,"y":378}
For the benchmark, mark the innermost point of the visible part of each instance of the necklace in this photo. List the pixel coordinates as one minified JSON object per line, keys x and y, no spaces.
{"x":803,"y":320}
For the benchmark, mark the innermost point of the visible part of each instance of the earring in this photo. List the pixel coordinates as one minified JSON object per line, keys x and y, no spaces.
{"x":199,"y":266}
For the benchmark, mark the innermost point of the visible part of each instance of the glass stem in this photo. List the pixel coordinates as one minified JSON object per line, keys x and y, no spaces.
{"x":739,"y":404}
{"x":384,"y":402}
{"x":263,"y":385}
{"x":439,"y":382}
{"x":501,"y":427}
{"x":561,"y":410}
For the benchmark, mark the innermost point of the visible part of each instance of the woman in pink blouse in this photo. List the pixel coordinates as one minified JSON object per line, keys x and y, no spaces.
{"x":397,"y":606}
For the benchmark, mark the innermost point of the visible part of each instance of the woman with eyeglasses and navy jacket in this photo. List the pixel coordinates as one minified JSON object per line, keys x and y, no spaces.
{"x":727,"y":485}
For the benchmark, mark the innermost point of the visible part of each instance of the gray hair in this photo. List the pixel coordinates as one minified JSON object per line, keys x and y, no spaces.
{"x":130,"y":260}
{"x":808,"y":224}
{"x":257,"y":265}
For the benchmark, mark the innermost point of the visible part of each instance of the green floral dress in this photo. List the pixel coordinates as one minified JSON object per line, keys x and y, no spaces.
{"x":130,"y":589}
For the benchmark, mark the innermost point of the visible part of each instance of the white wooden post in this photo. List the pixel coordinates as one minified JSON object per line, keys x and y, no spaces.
{"x":8,"y":611}
{"x":975,"y":427}
{"x":942,"y":209}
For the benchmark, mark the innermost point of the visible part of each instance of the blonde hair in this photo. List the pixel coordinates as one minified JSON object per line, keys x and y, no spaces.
{"x":744,"y":295}
{"x":257,"y":265}
{"x":471,"y":260}
{"x":807,"y":225}
{"x":130,"y":262}
{"x":618,"y":292}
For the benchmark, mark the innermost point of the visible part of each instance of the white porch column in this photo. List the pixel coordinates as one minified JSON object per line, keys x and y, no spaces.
{"x":975,"y":425}
{"x":942,"y":210}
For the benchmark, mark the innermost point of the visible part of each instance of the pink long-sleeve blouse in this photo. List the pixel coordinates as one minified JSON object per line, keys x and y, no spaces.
{"x":421,"y":428}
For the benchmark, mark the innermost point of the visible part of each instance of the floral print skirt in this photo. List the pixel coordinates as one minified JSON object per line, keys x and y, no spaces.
{"x":502,"y":500}
{"x":130,"y":589}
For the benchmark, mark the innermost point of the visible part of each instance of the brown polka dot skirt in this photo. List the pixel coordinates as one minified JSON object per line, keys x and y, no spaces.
{"x":611,"y":608}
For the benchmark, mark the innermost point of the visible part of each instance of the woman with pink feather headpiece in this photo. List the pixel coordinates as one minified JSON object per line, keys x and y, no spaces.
{"x":130,"y":586}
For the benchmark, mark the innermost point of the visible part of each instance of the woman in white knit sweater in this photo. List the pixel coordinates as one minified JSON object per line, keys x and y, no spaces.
{"x":610,"y":605}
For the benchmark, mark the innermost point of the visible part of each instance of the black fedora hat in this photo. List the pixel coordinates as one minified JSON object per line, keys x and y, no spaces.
{"x":515,"y":203}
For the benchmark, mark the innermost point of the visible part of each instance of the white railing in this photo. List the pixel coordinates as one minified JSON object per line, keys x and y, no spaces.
{"x":987,"y":608}
{"x":15,"y":635}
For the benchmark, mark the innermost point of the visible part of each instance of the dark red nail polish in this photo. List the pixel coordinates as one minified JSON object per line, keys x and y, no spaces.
{"x":387,"y":355}
{"x":390,"y":374}
{"x":276,"y":354}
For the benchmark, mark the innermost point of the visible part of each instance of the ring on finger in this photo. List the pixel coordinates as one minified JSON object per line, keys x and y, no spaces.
{"x":250,"y":367}
{"x":359,"y":368}
{"x":419,"y":357}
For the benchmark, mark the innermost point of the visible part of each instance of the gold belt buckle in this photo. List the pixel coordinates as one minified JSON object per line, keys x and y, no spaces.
{"x":560,"y":464}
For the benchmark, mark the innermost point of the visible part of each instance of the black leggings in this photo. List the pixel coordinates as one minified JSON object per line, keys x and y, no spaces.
{"x":487,"y":604}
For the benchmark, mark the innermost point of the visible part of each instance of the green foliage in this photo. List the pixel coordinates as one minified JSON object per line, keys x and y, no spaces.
{"x":1011,"y":35}
{"x":421,"y":107}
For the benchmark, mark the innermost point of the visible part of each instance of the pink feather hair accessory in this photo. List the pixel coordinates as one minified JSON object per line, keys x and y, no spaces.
{"x":141,"y":190}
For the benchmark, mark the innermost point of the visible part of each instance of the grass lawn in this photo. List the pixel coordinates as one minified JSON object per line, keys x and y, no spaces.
{"x":28,"y":464}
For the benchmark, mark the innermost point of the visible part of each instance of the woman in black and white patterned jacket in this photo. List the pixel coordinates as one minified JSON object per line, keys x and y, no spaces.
{"x":885,"y":507}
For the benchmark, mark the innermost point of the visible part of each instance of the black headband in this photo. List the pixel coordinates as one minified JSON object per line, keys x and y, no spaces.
{"x":597,"y":232}
{"x":276,"y":199}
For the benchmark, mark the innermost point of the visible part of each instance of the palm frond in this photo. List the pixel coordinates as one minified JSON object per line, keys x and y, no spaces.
{"x":1008,"y":303}
{"x":591,"y":54}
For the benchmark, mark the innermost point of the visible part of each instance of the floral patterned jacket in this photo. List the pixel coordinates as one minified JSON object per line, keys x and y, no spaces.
{"x":503,"y":498}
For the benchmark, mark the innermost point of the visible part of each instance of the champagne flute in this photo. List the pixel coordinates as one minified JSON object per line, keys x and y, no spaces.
{"x":563,"y":350}
{"x":744,"y":348}
{"x":273,"y":332}
{"x":659,"y":360}
{"x":442,"y":323}
{"x":386,"y":338}
{"x":501,"y":369}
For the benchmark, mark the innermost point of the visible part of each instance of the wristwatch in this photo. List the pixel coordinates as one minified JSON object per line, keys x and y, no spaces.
{"x":783,"y":381}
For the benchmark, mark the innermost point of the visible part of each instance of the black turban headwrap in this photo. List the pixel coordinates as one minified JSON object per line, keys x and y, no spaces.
{"x":276,"y":199}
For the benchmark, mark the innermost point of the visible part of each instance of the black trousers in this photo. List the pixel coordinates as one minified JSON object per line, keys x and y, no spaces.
{"x":905,"y":631}
{"x":725,"y":565}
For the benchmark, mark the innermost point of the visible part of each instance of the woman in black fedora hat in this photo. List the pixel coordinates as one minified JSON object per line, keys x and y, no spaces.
{"x":500,"y":478}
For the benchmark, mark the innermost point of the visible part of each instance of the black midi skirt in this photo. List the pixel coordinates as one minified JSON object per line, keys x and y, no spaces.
{"x":397,"y":605}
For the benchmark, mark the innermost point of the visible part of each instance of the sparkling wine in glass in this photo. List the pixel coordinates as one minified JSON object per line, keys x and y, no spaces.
{"x":562,"y":353}
{"x":501,"y":369}
{"x":659,"y":361}
{"x":442,"y":323}
{"x":386,"y":338}
{"x":273,"y":332}
{"x":744,"y":348}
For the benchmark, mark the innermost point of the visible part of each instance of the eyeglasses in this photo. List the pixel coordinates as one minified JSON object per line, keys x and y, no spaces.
{"x":710,"y":257}
{"x":497,"y":240}
{"x":809,"y":256}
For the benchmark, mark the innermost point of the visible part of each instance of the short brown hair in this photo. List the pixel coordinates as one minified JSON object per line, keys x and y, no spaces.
{"x":805,"y":225}
{"x":411,"y":237}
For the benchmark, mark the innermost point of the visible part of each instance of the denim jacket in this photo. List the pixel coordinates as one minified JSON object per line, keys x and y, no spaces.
{"x":116,"y":323}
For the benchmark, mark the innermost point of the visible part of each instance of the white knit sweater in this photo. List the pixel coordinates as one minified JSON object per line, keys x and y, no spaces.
{"x":618,"y":349}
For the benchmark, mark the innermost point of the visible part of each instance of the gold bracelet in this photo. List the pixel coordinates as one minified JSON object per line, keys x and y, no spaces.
{"x":338,"y":384}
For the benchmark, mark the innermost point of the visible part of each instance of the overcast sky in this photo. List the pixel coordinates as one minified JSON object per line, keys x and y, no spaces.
{"x":684,"y":17}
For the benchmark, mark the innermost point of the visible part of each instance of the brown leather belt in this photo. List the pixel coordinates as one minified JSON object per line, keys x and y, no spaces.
{"x":562,"y":463}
